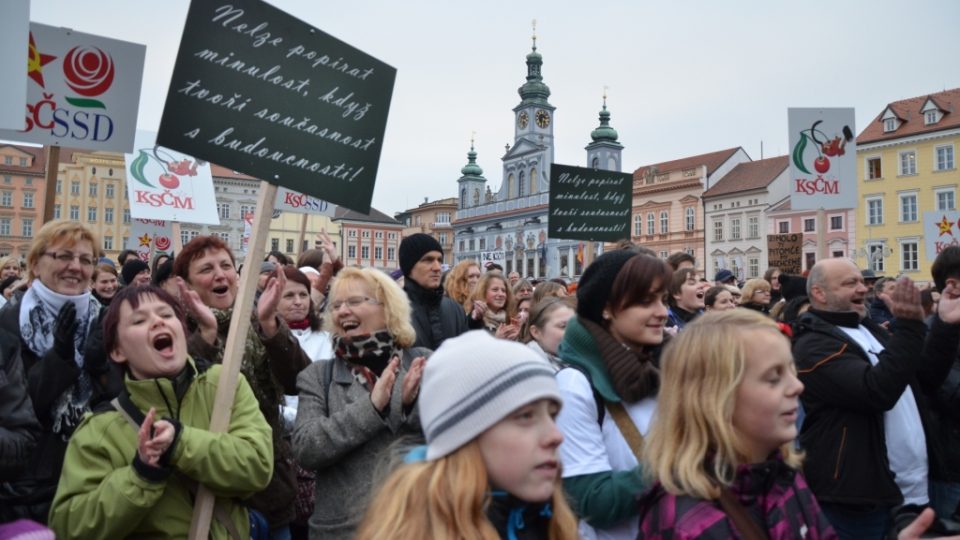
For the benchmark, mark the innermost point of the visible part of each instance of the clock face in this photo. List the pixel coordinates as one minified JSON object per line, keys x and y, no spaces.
{"x":523,"y":120}
{"x":543,"y":118}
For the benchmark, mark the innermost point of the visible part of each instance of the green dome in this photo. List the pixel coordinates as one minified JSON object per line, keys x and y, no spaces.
{"x":534,"y":90}
{"x":604,"y":132}
{"x":471,"y":168}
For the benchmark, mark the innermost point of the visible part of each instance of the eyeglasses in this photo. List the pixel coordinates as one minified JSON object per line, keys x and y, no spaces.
{"x":66,"y":257}
{"x":353,"y":302}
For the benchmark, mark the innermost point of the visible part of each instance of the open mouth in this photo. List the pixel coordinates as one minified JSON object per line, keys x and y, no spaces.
{"x":163,"y":343}
{"x":222,"y":289}
{"x":349,"y":325}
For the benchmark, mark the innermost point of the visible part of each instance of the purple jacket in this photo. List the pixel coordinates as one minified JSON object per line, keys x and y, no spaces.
{"x":771,"y":492}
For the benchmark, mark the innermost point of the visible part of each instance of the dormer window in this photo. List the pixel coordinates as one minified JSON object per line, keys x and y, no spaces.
{"x":889,"y":124}
{"x":931,"y":117}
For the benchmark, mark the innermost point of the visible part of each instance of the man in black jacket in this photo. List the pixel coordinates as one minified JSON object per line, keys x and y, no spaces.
{"x":864,"y":432}
{"x":435,"y":317}
{"x":18,"y":425}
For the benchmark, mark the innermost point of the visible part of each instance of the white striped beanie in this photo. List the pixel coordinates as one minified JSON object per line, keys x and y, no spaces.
{"x":472,"y":382}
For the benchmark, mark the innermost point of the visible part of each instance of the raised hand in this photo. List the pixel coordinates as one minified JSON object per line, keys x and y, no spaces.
{"x":411,"y":380}
{"x":154,"y":438}
{"x":948,"y":309}
{"x":65,"y":330}
{"x":326,"y":244}
{"x":383,"y":389}
{"x":904,"y":303}
{"x":269,"y":301}
{"x":479,"y":308}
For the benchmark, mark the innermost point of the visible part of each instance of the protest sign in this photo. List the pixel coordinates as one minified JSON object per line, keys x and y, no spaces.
{"x":589,"y":204}
{"x":266,"y":94}
{"x":940,"y":230}
{"x":495,"y":257}
{"x":785,"y":251}
{"x":166,"y":184}
{"x":823,"y":162}
{"x":291,"y":201}
{"x":149,"y":237}
{"x":83,"y":90}
{"x":14,"y":44}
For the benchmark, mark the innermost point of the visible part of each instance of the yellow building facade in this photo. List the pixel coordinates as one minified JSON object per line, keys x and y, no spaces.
{"x":285,"y":236}
{"x":906,"y":165}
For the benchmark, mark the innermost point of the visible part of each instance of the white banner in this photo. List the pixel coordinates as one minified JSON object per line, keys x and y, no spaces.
{"x":83,"y":90}
{"x":823,"y":159}
{"x":492,"y":257}
{"x":292,"y":201}
{"x":940,"y":230}
{"x":166,"y":184}
{"x":149,"y":237}
{"x":15,"y":55}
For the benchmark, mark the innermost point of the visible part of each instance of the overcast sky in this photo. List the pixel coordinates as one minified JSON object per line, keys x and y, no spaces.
{"x":684,"y":77}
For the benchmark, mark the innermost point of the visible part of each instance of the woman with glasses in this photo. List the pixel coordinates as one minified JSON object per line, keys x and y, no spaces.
{"x":756,"y":295}
{"x":66,"y":369}
{"x":354,"y":405}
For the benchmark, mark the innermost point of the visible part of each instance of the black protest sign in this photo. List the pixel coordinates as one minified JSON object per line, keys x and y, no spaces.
{"x":589,"y":204}
{"x":266,"y":94}
{"x":785,"y":251}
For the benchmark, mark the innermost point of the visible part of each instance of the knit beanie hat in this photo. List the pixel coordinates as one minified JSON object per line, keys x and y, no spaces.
{"x":414,"y":247}
{"x":163,"y":273}
{"x":792,"y":286}
{"x":472,"y":382}
{"x":131,"y":269}
{"x":593,"y":290}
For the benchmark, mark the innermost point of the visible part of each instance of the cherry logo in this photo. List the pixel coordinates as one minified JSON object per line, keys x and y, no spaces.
{"x":162,"y":242}
{"x":89,"y":71}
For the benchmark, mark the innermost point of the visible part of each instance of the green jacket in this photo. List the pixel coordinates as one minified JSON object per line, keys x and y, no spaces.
{"x":607,"y":498}
{"x":101,"y":495}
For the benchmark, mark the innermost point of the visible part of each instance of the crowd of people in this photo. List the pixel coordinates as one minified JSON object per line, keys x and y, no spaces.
{"x":641,"y":401}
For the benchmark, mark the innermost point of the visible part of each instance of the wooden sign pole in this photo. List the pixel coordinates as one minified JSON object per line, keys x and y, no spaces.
{"x":177,"y":239}
{"x":233,"y":350}
{"x":50,"y":195}
{"x":303,"y":234}
{"x":821,"y":235}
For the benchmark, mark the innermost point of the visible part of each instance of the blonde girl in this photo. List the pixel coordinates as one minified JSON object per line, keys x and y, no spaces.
{"x":493,"y":307}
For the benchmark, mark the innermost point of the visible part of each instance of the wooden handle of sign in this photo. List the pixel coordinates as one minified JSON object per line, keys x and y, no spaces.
{"x":303,"y":234}
{"x":177,"y":240}
{"x":821,"y":234}
{"x":589,"y":253}
{"x":50,"y":193}
{"x":233,"y":350}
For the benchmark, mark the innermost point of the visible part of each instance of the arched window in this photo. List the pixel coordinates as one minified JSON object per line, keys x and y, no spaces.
{"x":691,"y":216}
{"x":510,"y":186}
{"x":476,"y":197}
{"x":463,"y":198}
{"x":664,"y":222}
{"x":534,"y":188}
{"x":595,"y":163}
{"x":637,"y":225}
{"x":522,"y":185}
{"x":651,"y":223}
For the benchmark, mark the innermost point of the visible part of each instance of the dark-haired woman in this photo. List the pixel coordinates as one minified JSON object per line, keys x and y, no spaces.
{"x":612,"y":380}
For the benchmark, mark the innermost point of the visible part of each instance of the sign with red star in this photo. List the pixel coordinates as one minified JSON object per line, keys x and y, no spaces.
{"x":144,"y":240}
{"x":35,"y":62}
{"x":946,"y":226}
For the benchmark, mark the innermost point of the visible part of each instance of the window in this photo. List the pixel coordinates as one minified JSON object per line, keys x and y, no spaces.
{"x":364,"y":252}
{"x":909,"y":259}
{"x":651,"y":223}
{"x":289,"y":245}
{"x":908,"y":163}
{"x":91,"y":213}
{"x":7,"y":179}
{"x":108,"y":215}
{"x":245,"y":209}
{"x":691,"y":215}
{"x":75,"y":188}
{"x":26,"y":227}
{"x":946,"y":200}
{"x":873,"y":168}
{"x":908,"y":207}
{"x":392,"y":236}
{"x":930,"y":117}
{"x":59,"y":186}
{"x":92,"y":189}
{"x":637,"y":225}
{"x":74,"y":213}
{"x":472,"y":244}
{"x":274,"y":243}
{"x":875,"y":211}
{"x":6,"y":198}
{"x":838,"y":253}
{"x":352,"y":251}
{"x":5,"y":226}
{"x":836,"y":223}
{"x":8,"y":160}
{"x":27,"y":181}
{"x":809,"y":225}
{"x":664,"y":254}
{"x":483,"y":244}
{"x":224,"y":210}
{"x":23,"y":162}
{"x":735,"y":229}
{"x":56,"y":211}
{"x":366,"y":234}
{"x":108,"y":242}
{"x":944,"y":158}
{"x":443,"y":217}
{"x":890,"y":124}
{"x":461,"y":247}
{"x":392,"y":254}
{"x":28,"y":200}
{"x":783,"y":227}
{"x":522,"y":186}
{"x":108,"y":191}
{"x":443,"y":239}
{"x":717,"y":230}
{"x":379,"y":235}
{"x":753,"y":226}
{"x":184,"y":237}
{"x":664,"y":222}
{"x":352,"y":233}
{"x":126,"y":215}
{"x":753,"y":267}
{"x":377,"y":253}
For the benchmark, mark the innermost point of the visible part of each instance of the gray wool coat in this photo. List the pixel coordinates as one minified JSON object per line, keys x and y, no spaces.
{"x":341,"y":436}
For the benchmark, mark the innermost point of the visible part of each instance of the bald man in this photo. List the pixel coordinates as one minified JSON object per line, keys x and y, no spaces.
{"x":864,"y":429}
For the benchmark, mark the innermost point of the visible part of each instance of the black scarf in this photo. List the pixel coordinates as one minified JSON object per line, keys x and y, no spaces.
{"x":371,"y":351}
{"x":420,"y":295}
{"x":634,"y":374}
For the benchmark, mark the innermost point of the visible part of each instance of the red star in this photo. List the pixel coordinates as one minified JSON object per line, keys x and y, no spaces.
{"x":35,"y":62}
{"x":144,"y":240}
{"x":945,"y":227}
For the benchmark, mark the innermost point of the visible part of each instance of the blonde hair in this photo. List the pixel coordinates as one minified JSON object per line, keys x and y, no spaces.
{"x":447,"y":498}
{"x":693,"y":448}
{"x":752,"y":286}
{"x":396,"y":305}
{"x":57,"y":231}
{"x":480,"y":293}
{"x":548,"y":289}
{"x":456,"y":283}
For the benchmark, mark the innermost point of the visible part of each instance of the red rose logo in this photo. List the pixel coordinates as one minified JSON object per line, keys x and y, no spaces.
{"x":89,"y":70}
{"x":162,"y":242}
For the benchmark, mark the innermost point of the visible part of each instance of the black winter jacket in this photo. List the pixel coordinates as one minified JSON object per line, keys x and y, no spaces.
{"x":18,"y":425}
{"x":945,"y":420}
{"x":845,"y":398}
{"x":435,"y":317}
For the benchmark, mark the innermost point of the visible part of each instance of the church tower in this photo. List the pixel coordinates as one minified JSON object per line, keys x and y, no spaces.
{"x":472,"y":182}
{"x":605,"y":151}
